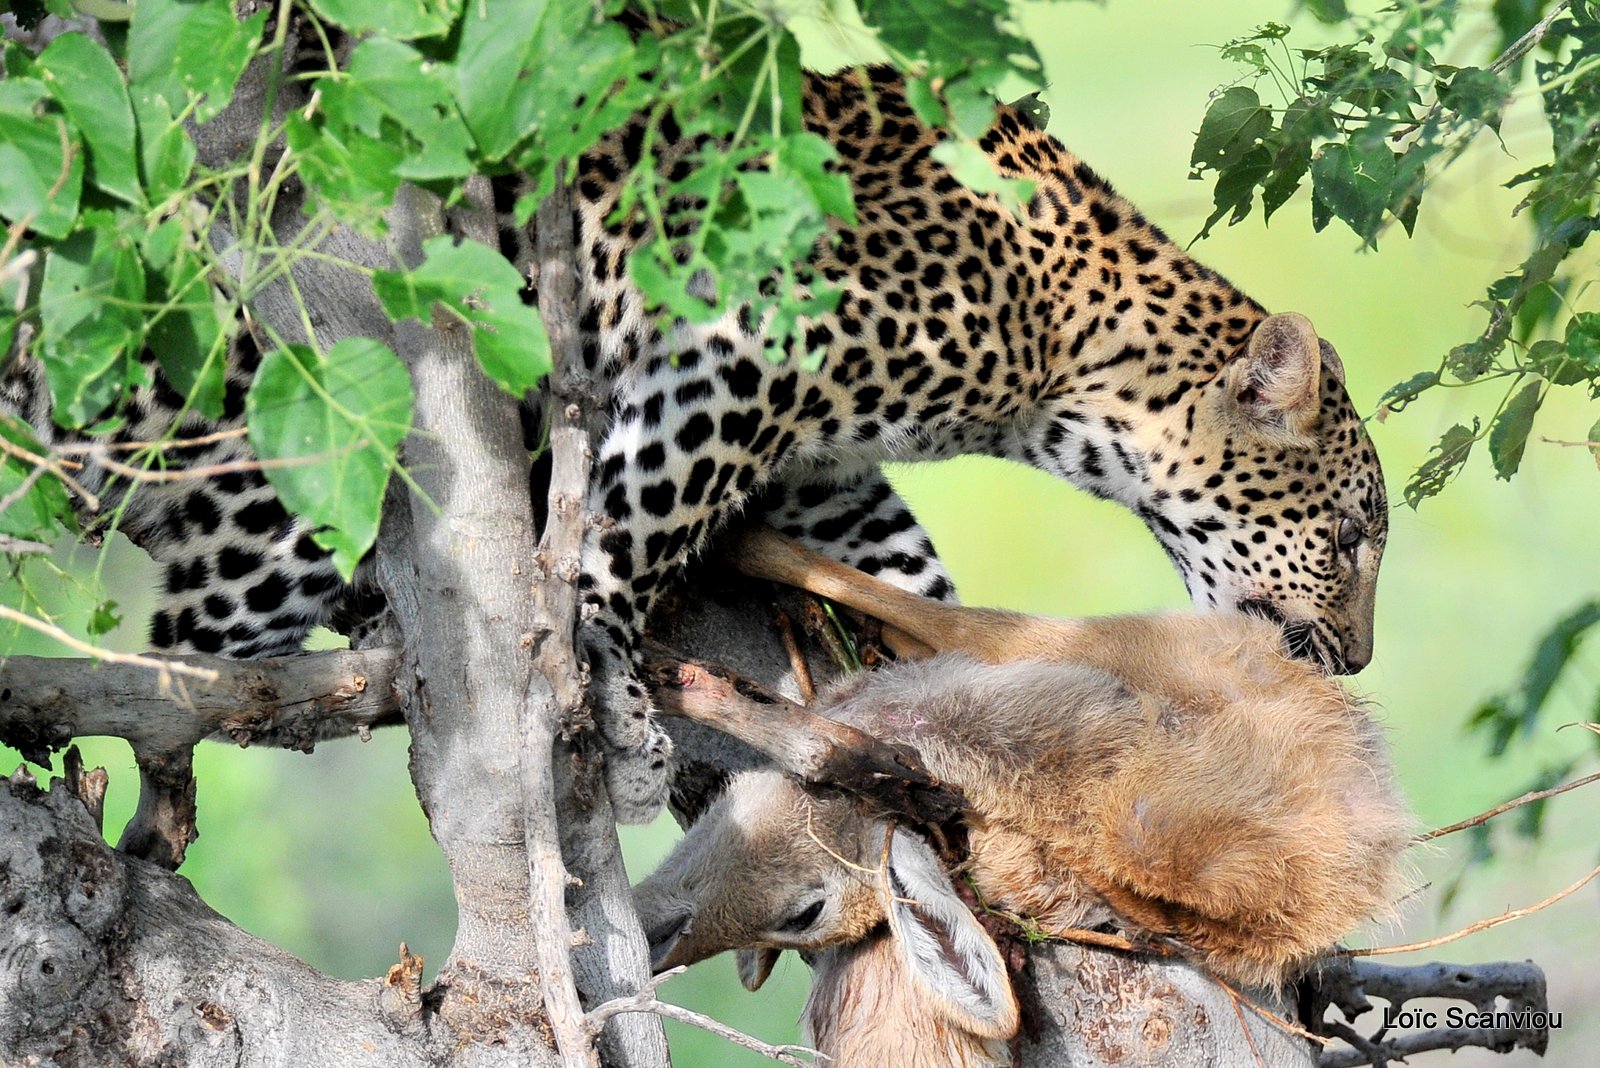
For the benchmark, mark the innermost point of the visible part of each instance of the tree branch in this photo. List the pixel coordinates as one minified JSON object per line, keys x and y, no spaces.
{"x":614,"y":959}
{"x":645,"y":1000}
{"x":1348,"y":985}
{"x":810,"y":747}
{"x":289,"y":702}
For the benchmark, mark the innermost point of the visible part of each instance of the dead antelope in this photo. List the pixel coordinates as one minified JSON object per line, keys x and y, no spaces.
{"x":1176,"y":773}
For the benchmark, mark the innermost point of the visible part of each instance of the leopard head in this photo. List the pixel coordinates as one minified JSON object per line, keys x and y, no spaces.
{"x":1266,"y":492}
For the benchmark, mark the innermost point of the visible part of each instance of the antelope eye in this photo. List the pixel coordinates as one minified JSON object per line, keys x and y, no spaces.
{"x":1350,"y":533}
{"x":802,"y":919}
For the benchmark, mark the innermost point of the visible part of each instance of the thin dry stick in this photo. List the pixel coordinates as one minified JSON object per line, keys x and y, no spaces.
{"x":1268,"y":1015}
{"x":78,"y":449}
{"x":645,"y":1000}
{"x":1244,"y":1025}
{"x":55,"y":467}
{"x":1526,"y":799}
{"x":8,"y":544}
{"x":165,"y":668}
{"x":797,"y":660}
{"x":1515,"y":51}
{"x":1473,"y":928}
{"x":194,"y":474}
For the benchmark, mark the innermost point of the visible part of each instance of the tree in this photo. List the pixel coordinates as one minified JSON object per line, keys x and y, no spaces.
{"x":169,"y":174}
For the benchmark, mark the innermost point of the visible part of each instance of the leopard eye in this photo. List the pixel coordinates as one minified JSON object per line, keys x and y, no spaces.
{"x":802,"y":919}
{"x":1350,"y":534}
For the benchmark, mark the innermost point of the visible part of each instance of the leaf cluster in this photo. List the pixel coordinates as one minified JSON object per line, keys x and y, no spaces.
{"x":110,"y":263}
{"x":1371,"y":121}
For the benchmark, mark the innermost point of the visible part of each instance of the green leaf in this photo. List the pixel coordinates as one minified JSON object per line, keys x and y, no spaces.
{"x":181,"y":49}
{"x":41,"y":512}
{"x":952,"y":36}
{"x":485,"y":290}
{"x":523,"y":66}
{"x":355,"y":176}
{"x":402,"y":20}
{"x":87,"y":83}
{"x":1233,"y":125}
{"x":90,"y":321}
{"x":1354,"y":183}
{"x":41,"y":161}
{"x":190,"y":338}
{"x":1581,"y":352}
{"x":1401,"y":394}
{"x":389,"y":92}
{"x":1329,"y":11}
{"x":1509,"y":434}
{"x":1451,"y":452}
{"x":1476,"y":93}
{"x":336,"y":420}
{"x":104,"y":619}
{"x":1235,"y":188}
{"x":1509,"y":714}
{"x":166,"y":154}
{"x":1594,"y":442}
{"x":974,"y":169}
{"x":807,"y":160}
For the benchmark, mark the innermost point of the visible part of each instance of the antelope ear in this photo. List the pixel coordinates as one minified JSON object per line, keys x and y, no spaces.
{"x":952,"y":959}
{"x":1277,"y":382}
{"x":755,"y":965}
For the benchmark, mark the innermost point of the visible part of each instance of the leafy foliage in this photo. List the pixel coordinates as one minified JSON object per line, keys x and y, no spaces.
{"x":326,"y":427}
{"x":1372,"y":121}
{"x":108,"y":259}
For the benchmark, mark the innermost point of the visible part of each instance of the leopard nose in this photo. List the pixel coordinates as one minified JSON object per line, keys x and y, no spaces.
{"x":1356,"y":654}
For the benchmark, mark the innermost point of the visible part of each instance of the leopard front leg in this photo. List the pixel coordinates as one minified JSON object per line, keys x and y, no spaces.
{"x":690,"y":441}
{"x":853,"y":515}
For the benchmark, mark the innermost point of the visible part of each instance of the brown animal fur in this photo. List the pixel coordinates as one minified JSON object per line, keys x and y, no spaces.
{"x":1178,"y":772}
{"x":865,"y":1009}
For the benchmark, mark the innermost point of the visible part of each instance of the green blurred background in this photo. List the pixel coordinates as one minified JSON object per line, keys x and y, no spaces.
{"x":328,"y":855}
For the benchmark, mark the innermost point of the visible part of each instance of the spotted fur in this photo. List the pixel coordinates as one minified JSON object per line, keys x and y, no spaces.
{"x":1077,"y":339}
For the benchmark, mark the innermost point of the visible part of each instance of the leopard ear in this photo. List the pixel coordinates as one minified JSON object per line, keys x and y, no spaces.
{"x":1331,"y":362}
{"x":1277,"y":383}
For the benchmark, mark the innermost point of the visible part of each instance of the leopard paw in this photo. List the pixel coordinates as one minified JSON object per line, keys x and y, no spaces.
{"x":639,"y":779}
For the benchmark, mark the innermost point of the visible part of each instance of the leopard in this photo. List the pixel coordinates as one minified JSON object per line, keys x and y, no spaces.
{"x":1073,"y":336}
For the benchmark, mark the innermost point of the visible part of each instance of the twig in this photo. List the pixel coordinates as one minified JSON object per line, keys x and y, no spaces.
{"x":1267,"y":1014}
{"x":645,"y":1000}
{"x":797,"y":659}
{"x":1526,"y":799}
{"x":1514,"y":51}
{"x":1473,"y":928}
{"x":164,"y":669}
{"x":79,"y":448}
{"x":195,"y":474}
{"x":55,"y":467}
{"x":1244,"y":1025}
{"x":1528,"y":41}
{"x":8,"y":544}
